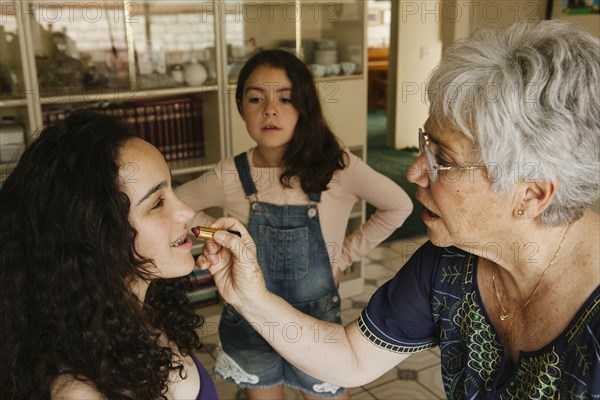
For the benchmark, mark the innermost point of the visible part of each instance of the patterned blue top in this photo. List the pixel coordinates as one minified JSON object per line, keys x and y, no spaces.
{"x":434,"y":300}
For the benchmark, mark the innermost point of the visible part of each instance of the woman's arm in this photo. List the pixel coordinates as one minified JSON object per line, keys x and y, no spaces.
{"x":342,"y":356}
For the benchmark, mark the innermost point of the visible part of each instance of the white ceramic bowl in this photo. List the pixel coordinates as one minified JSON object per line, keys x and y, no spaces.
{"x":318,"y":70}
{"x":333,"y":69}
{"x":348,"y":67}
{"x":326,"y":44}
{"x":325,"y":56}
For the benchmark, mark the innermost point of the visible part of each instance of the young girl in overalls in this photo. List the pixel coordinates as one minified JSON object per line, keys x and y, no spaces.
{"x":294,"y":191}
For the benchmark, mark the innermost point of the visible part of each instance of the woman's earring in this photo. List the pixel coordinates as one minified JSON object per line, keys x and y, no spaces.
{"x":520,"y":212}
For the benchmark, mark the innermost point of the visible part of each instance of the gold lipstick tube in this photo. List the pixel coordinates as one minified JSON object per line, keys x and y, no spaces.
{"x":204,"y":232}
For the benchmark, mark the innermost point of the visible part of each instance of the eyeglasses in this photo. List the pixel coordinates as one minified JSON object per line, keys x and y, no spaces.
{"x":432,"y":165}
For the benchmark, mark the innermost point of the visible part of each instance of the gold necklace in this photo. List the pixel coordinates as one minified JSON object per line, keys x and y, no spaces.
{"x":504,"y":315}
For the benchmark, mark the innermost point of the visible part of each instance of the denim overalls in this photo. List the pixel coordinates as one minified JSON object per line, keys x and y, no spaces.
{"x":293,"y":258}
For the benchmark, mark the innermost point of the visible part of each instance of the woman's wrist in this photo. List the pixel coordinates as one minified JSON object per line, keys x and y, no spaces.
{"x":250,"y":303}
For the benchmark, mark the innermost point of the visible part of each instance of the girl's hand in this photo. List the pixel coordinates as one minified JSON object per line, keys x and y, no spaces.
{"x":336,"y":277}
{"x":232,"y":262}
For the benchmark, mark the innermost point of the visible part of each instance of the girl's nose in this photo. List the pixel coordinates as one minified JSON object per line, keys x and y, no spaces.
{"x":185,"y":213}
{"x":270,"y":109}
{"x":417,"y":173}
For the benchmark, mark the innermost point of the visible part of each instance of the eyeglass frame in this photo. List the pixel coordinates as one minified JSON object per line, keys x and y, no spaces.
{"x":432,"y":165}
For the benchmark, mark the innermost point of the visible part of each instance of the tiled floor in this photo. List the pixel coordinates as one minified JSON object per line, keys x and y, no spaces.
{"x":417,"y":378}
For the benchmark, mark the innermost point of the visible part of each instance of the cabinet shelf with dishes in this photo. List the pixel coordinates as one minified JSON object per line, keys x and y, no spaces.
{"x":59,"y":56}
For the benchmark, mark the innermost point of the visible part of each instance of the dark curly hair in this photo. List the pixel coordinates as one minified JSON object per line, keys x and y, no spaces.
{"x":314,"y":153}
{"x":67,"y":253}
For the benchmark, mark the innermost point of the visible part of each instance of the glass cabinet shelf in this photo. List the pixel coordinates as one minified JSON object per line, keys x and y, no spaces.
{"x":174,"y":43}
{"x":322,"y":33}
{"x":12,"y":85}
{"x":127,"y":95}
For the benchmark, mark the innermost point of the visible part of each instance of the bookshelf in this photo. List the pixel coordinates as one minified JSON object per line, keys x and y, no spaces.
{"x":128,"y":58}
{"x":204,"y":293}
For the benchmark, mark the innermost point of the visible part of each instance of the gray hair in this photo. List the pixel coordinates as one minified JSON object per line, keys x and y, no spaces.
{"x":529,"y":97}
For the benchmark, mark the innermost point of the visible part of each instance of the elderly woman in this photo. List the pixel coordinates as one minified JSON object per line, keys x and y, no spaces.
{"x":508,"y":285}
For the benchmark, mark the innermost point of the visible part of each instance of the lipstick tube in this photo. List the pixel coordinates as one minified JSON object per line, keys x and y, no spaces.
{"x":204,"y":232}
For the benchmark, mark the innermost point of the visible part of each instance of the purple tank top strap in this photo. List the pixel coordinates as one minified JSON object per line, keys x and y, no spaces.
{"x":208,"y":389}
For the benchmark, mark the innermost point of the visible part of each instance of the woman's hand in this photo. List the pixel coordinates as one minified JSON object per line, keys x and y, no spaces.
{"x":232,"y":262}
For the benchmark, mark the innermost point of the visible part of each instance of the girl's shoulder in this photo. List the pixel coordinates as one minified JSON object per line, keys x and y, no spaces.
{"x":225,"y":167}
{"x":226,"y":163}
{"x":351,"y":160}
{"x":351,"y":156}
{"x":68,"y":387}
{"x":355,"y":168}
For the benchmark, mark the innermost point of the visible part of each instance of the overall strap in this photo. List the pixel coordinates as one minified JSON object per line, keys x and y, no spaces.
{"x":243,"y":168}
{"x":316,"y":197}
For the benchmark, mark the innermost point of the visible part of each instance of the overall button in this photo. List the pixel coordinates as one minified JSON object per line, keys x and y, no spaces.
{"x":255,"y":206}
{"x":335,"y":299}
{"x":312,"y":212}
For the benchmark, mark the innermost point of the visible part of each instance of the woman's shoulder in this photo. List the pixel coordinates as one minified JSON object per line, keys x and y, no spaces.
{"x":68,"y":387}
{"x":433,"y":266}
{"x":430,"y":254}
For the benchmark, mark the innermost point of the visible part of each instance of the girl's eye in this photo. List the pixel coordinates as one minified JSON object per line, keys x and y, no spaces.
{"x":286,"y":100}
{"x":254,"y":100}
{"x":158,"y":204}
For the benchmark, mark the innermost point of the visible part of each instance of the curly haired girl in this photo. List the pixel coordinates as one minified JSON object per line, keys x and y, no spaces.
{"x":94,"y":265}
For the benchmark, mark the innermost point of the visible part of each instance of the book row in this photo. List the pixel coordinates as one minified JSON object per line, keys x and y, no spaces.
{"x":174,"y":126}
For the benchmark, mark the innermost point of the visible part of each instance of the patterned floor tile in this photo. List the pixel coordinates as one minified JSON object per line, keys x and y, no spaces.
{"x":393,"y":264}
{"x":431,"y":378}
{"x":292,"y":394}
{"x":408,"y":246}
{"x":346,"y":304}
{"x":376,"y":271}
{"x":402,"y":390}
{"x":435,"y":350}
{"x":419,"y":361}
{"x":363,"y":299}
{"x":381,"y":253}
{"x":361,"y":395}
{"x":381,"y":282}
{"x":390,"y":376}
{"x":350,"y":315}
{"x":226,"y":390}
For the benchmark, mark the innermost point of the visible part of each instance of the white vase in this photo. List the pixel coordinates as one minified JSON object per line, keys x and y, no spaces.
{"x":195,"y":73}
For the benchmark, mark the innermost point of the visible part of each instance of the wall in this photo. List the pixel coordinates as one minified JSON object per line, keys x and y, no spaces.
{"x":415,"y":49}
{"x":591,"y":22}
{"x":421,"y":30}
{"x":378,"y":29}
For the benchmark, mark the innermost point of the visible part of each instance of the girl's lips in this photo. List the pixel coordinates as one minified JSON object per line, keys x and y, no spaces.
{"x":182,"y":243}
